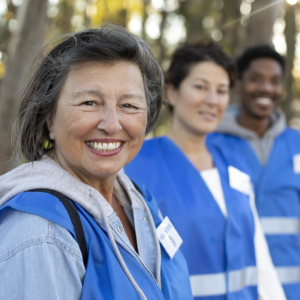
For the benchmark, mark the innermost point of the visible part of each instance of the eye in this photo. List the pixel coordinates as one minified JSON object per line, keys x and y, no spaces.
{"x":255,"y":79}
{"x":199,"y":87}
{"x":127,"y":105}
{"x":224,"y":92}
{"x":89,"y":103}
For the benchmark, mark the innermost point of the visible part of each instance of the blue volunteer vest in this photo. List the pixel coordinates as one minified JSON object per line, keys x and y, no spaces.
{"x":277,"y":191}
{"x":219,"y":251}
{"x":104,"y":278}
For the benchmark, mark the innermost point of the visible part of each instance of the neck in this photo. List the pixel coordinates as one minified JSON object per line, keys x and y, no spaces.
{"x":192,"y":144}
{"x":104,"y":185}
{"x":259,"y":126}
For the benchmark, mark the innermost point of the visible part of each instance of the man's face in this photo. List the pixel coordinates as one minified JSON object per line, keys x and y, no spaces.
{"x":261,"y":87}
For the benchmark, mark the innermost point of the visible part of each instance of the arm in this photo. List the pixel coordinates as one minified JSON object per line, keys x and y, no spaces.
{"x":269,"y":286}
{"x":41,"y":260}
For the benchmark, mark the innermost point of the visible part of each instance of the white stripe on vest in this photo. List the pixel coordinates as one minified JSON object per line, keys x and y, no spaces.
{"x":288,"y":275}
{"x":215,"y":284}
{"x":274,"y":226}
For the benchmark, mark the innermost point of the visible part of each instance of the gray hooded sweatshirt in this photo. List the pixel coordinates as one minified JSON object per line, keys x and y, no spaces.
{"x":261,"y":146}
{"x":47,"y":174}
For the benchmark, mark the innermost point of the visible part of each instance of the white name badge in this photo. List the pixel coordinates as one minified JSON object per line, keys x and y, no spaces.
{"x":239,"y":180}
{"x":296,"y":163}
{"x":168,"y":237}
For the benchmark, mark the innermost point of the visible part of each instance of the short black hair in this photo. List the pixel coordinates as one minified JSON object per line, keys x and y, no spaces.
{"x":186,"y":56}
{"x":261,"y":51}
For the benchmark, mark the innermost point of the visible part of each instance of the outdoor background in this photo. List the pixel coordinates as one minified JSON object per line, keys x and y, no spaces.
{"x":25,"y":25}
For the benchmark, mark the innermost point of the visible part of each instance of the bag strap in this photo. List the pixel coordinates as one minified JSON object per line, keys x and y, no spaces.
{"x":75,"y":219}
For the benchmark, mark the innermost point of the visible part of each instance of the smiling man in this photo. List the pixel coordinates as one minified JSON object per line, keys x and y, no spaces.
{"x":255,"y":129}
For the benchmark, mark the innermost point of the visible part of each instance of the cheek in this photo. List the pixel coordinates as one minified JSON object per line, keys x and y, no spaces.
{"x":135,"y":125}
{"x":73,"y":125}
{"x":223,"y":103}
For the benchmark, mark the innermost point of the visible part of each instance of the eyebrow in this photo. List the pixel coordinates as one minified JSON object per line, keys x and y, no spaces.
{"x":128,"y":96}
{"x":255,"y":73}
{"x":90,"y":92}
{"x":101,"y":95}
{"x":200,"y":78}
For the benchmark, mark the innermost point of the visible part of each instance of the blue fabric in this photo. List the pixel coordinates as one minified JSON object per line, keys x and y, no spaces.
{"x":277,"y":191}
{"x":104,"y":277}
{"x":211,"y":244}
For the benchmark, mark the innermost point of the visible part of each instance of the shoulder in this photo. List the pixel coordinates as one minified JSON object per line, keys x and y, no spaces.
{"x":291,"y":132}
{"x":22,"y":230}
{"x":218,"y":138}
{"x":147,"y":157}
{"x":149,"y":145}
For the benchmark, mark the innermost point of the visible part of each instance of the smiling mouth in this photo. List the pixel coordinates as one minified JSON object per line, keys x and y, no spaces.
{"x":104,"y":147}
{"x":207,"y":114}
{"x":263,"y":100}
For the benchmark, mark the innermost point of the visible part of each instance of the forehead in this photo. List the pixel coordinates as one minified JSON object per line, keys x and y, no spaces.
{"x":102,"y":75}
{"x":209,"y":70}
{"x":265,"y":67}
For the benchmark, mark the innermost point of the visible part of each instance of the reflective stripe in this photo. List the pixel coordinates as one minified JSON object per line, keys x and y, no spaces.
{"x":288,"y":274}
{"x":208,"y":284}
{"x":280,"y":225}
{"x":242,"y":278}
{"x":215,"y":284}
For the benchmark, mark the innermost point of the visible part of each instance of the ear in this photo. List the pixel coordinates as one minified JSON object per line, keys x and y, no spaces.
{"x":171,"y":92}
{"x":51,"y":127}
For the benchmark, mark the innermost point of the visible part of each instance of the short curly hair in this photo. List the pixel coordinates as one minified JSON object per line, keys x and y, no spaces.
{"x":256,"y":52}
{"x":185,"y":57}
{"x":109,"y":44}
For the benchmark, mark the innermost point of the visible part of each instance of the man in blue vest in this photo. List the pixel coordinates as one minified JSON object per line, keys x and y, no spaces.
{"x":255,"y":129}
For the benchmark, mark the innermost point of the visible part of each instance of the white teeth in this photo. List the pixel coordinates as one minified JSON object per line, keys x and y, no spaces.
{"x":264,"y":101}
{"x":104,"y":147}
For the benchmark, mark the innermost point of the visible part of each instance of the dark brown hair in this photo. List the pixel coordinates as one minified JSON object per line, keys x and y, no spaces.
{"x":185,"y":57}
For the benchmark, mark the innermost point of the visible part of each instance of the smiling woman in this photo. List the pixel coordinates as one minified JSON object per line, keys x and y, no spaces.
{"x":209,"y":198}
{"x":73,"y":223}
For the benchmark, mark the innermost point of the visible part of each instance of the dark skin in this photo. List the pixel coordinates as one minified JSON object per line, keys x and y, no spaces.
{"x":263,"y":80}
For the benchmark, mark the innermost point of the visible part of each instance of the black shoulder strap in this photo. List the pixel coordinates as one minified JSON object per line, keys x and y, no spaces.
{"x":137,"y":188}
{"x":75,"y":219}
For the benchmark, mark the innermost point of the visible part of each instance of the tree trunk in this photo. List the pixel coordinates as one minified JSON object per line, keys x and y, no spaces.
{"x":23,"y":46}
{"x":261,"y":22}
{"x":290,"y":36}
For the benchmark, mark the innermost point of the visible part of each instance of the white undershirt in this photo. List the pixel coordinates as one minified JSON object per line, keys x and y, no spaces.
{"x":212,"y":179}
{"x":269,"y":286}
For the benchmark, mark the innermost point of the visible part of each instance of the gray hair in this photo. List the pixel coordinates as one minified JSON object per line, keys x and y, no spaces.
{"x":109,"y":43}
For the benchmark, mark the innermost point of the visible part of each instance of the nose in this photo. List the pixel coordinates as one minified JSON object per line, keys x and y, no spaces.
{"x":110,"y":122}
{"x":266,"y":87}
{"x":211,"y":97}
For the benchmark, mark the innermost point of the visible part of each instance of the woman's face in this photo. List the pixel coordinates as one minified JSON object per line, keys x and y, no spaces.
{"x":201,"y":98}
{"x":100,"y":120}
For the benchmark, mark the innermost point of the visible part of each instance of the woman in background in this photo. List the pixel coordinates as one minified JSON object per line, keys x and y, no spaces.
{"x":203,"y":189}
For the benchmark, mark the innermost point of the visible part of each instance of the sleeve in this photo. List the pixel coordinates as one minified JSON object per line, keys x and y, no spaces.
{"x":41,"y":266}
{"x":269,"y":286}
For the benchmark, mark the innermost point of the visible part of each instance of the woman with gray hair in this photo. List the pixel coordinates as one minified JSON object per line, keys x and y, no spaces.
{"x":73,"y":226}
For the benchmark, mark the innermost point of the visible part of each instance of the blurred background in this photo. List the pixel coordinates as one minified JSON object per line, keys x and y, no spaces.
{"x":25,"y":25}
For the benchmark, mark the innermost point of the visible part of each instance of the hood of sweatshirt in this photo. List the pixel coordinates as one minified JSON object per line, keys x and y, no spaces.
{"x":230,"y":125}
{"x":47,"y":174}
{"x":260,"y":145}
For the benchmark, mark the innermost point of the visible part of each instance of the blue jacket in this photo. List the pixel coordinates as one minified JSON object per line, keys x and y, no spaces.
{"x":277,"y":191}
{"x":219,"y":251}
{"x":104,"y":277}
